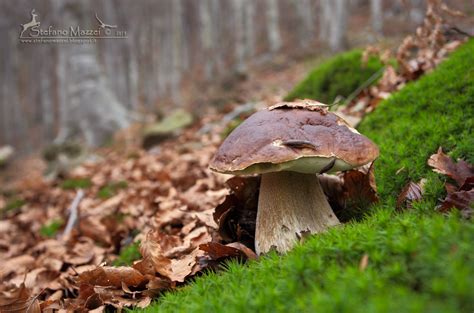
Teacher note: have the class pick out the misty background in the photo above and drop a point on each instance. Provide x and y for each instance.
(176, 53)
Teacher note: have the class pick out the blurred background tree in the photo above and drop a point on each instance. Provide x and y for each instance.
(175, 52)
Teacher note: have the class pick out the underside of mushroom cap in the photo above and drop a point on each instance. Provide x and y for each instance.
(298, 136)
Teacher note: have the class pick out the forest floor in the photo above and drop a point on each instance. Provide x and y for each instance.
(128, 225)
(416, 260)
(98, 211)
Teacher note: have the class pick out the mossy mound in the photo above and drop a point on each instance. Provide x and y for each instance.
(417, 261)
(339, 76)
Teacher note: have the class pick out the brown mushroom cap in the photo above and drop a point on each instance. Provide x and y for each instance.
(298, 136)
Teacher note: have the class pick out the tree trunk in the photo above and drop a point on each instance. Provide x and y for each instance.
(306, 23)
(324, 19)
(337, 36)
(88, 107)
(239, 42)
(376, 15)
(250, 25)
(178, 50)
(273, 29)
(208, 12)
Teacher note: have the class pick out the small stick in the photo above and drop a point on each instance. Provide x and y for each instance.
(364, 85)
(74, 214)
(460, 31)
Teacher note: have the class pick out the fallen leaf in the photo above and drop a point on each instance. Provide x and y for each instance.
(112, 276)
(18, 299)
(468, 184)
(185, 266)
(359, 188)
(217, 251)
(462, 200)
(410, 193)
(250, 254)
(443, 164)
(14, 264)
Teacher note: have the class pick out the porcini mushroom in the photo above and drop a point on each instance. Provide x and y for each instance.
(289, 144)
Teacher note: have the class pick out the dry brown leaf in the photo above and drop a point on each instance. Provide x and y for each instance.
(443, 164)
(251, 255)
(462, 200)
(156, 285)
(410, 193)
(359, 188)
(112, 276)
(219, 251)
(17, 265)
(462, 195)
(18, 300)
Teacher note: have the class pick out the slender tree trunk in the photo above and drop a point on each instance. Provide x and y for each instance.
(324, 19)
(416, 11)
(250, 28)
(306, 28)
(376, 15)
(207, 36)
(177, 51)
(337, 37)
(273, 29)
(239, 42)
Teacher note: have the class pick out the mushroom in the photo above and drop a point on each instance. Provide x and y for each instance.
(289, 144)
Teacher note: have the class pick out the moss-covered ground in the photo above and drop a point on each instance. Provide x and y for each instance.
(418, 261)
(340, 75)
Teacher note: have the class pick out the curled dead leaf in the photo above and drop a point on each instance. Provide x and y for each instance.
(359, 186)
(217, 251)
(18, 300)
(462, 200)
(250, 254)
(443, 164)
(410, 193)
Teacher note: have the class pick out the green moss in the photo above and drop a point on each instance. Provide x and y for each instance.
(51, 228)
(14, 205)
(416, 263)
(128, 254)
(419, 260)
(76, 183)
(437, 110)
(111, 189)
(70, 149)
(338, 76)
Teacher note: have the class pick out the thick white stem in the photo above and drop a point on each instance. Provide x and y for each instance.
(290, 205)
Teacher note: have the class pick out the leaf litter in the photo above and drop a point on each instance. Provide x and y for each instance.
(460, 195)
(185, 218)
(165, 205)
(417, 55)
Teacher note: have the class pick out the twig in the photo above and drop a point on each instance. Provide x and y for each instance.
(460, 31)
(73, 215)
(366, 84)
(32, 300)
